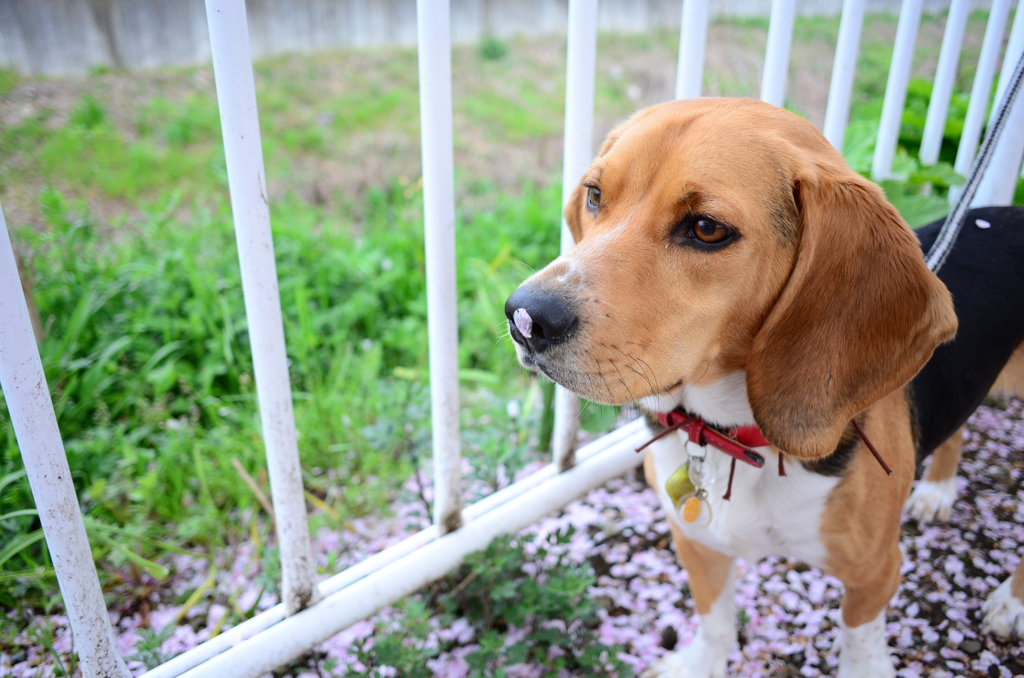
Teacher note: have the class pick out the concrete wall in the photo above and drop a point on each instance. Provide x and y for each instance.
(70, 36)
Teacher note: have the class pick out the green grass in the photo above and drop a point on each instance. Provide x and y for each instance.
(9, 79)
(149, 364)
(100, 158)
(383, 107)
(536, 114)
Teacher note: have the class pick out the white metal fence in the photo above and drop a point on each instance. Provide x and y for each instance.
(311, 612)
(62, 37)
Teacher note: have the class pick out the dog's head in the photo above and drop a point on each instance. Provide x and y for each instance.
(715, 236)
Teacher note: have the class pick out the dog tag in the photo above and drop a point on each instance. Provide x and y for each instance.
(697, 510)
(679, 485)
(692, 510)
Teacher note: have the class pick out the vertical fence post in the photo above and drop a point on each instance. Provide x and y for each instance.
(945, 77)
(1000, 180)
(433, 26)
(776, 58)
(983, 75)
(693, 34)
(1014, 46)
(840, 91)
(35, 426)
(236, 97)
(896, 89)
(581, 62)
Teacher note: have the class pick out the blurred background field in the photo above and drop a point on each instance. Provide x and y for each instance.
(114, 188)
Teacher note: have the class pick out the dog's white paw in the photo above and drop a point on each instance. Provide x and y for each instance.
(1004, 613)
(864, 652)
(932, 501)
(699, 659)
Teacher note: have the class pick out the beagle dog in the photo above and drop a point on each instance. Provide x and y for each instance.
(766, 305)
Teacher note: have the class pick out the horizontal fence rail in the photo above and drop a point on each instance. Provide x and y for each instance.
(403, 576)
(311, 612)
(621, 437)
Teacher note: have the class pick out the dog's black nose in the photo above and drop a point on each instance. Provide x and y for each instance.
(539, 319)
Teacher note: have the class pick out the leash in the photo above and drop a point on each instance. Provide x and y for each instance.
(955, 221)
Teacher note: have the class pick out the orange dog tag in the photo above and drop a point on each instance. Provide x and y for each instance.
(691, 509)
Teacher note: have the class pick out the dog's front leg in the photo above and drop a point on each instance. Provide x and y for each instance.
(713, 586)
(863, 645)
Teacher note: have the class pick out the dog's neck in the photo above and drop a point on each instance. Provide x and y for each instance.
(723, 403)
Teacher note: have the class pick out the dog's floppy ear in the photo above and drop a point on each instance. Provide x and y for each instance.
(574, 206)
(572, 213)
(859, 316)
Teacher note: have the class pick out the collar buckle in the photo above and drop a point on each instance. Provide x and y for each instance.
(703, 434)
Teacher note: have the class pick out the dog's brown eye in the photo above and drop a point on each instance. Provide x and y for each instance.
(710, 232)
(593, 198)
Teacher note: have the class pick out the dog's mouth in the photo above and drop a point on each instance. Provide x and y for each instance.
(538, 353)
(528, 356)
(563, 364)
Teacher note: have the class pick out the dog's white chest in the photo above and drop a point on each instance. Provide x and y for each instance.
(767, 514)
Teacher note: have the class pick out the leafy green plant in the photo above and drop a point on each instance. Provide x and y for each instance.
(502, 440)
(497, 590)
(915, 114)
(148, 651)
(919, 192)
(404, 649)
(88, 113)
(597, 418)
(492, 48)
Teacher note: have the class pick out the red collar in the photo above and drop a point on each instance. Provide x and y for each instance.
(739, 440)
(736, 442)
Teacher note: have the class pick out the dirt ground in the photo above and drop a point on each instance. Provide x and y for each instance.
(633, 72)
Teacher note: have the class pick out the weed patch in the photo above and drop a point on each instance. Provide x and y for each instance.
(148, 359)
(517, 614)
